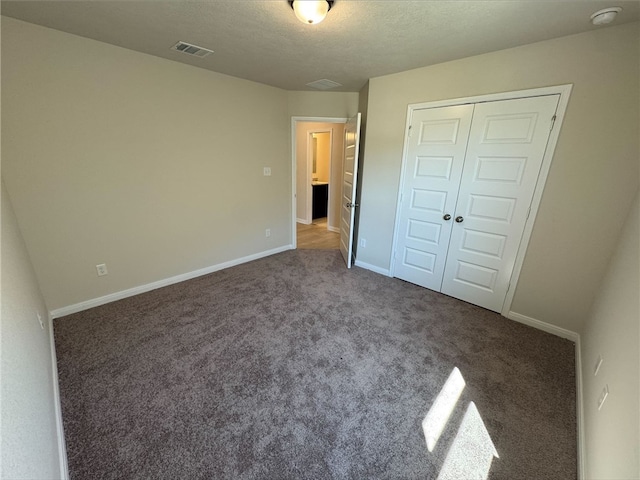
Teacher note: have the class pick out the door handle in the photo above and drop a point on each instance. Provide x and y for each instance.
(459, 219)
(447, 216)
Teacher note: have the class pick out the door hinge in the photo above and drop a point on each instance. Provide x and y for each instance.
(553, 122)
(528, 213)
(410, 127)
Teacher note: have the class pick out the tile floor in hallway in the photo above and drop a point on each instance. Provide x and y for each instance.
(316, 236)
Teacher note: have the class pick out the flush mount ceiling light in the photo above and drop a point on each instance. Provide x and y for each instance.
(606, 15)
(311, 11)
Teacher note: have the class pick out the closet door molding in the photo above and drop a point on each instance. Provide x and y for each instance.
(563, 91)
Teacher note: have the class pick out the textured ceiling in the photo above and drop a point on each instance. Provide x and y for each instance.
(261, 40)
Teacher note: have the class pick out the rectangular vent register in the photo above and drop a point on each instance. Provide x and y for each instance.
(192, 50)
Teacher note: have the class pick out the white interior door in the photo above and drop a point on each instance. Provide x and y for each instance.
(435, 155)
(507, 143)
(349, 180)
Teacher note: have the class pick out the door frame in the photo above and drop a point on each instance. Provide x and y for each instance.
(309, 191)
(294, 126)
(564, 91)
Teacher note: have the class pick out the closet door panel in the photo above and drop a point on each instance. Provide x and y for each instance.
(507, 143)
(431, 179)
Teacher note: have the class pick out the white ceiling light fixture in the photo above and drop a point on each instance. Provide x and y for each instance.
(311, 11)
(606, 15)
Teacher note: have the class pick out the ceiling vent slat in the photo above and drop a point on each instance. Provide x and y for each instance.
(190, 49)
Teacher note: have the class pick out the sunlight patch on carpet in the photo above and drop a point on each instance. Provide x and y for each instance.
(472, 450)
(439, 413)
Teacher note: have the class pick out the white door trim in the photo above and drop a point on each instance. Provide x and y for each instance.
(564, 91)
(294, 125)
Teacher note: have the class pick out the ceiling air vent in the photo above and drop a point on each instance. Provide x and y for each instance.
(324, 84)
(192, 50)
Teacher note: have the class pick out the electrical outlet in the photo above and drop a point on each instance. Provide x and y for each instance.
(603, 396)
(267, 232)
(40, 319)
(102, 269)
(598, 365)
(267, 171)
(363, 242)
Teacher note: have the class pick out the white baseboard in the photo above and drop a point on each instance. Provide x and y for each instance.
(580, 413)
(373, 268)
(333, 229)
(544, 326)
(112, 297)
(303, 221)
(62, 445)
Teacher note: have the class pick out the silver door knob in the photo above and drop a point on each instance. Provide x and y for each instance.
(459, 219)
(447, 216)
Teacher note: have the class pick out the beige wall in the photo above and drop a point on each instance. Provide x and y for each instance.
(29, 446)
(303, 176)
(150, 166)
(363, 107)
(322, 104)
(593, 176)
(613, 331)
(323, 157)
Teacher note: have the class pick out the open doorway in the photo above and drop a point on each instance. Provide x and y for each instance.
(318, 150)
(320, 156)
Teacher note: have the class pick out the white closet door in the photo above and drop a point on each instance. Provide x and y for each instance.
(507, 143)
(435, 156)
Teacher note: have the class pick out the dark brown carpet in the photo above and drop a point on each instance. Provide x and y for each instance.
(293, 367)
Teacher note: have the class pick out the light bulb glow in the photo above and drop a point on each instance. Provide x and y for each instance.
(310, 11)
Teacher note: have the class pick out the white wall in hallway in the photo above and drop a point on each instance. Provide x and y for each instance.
(303, 175)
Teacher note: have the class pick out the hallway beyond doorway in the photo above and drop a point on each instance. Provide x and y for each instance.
(316, 236)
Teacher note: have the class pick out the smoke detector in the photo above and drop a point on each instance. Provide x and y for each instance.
(606, 15)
